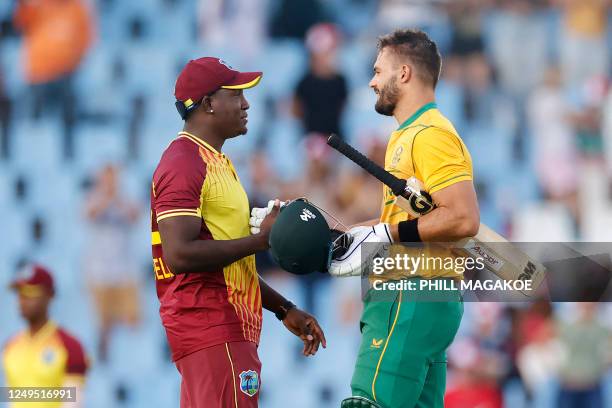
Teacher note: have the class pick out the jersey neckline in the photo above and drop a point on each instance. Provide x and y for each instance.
(200, 142)
(415, 115)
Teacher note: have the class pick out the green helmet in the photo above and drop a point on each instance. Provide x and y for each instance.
(300, 239)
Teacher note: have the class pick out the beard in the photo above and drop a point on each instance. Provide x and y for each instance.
(387, 98)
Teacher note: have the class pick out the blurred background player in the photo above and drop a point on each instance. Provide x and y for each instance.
(203, 252)
(44, 354)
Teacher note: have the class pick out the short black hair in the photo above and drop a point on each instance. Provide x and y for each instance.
(419, 48)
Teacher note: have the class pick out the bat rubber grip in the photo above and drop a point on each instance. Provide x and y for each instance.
(396, 185)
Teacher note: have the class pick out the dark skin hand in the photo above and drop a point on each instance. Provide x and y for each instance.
(306, 328)
(185, 253)
(296, 321)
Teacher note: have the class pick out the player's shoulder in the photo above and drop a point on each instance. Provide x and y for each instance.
(180, 149)
(181, 155)
(77, 359)
(69, 341)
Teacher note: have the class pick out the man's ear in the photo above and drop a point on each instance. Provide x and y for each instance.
(405, 73)
(207, 104)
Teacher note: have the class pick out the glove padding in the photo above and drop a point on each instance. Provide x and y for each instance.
(258, 214)
(354, 260)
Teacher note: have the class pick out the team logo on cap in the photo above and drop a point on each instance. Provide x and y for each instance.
(307, 215)
(228, 66)
(249, 382)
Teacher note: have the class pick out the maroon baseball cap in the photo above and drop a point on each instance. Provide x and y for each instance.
(32, 280)
(203, 76)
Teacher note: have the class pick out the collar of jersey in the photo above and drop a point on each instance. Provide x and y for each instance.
(200, 142)
(43, 332)
(415, 115)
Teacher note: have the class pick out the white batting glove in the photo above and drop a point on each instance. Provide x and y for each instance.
(358, 256)
(258, 214)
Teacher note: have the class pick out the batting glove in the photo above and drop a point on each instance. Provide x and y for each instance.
(353, 262)
(258, 214)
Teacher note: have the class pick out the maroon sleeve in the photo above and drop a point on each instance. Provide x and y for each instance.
(178, 181)
(77, 362)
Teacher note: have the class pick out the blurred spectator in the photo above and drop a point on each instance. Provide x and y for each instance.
(466, 19)
(606, 130)
(554, 144)
(358, 193)
(57, 34)
(219, 20)
(518, 46)
(586, 118)
(485, 105)
(321, 94)
(539, 359)
(537, 351)
(587, 344)
(44, 354)
(110, 267)
(293, 18)
(473, 382)
(584, 49)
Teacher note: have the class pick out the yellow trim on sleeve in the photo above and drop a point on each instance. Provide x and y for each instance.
(244, 86)
(176, 214)
(229, 357)
(155, 238)
(399, 305)
(193, 210)
(448, 182)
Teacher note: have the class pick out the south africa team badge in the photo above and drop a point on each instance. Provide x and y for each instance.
(249, 382)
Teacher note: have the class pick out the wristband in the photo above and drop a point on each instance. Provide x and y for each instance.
(283, 310)
(408, 231)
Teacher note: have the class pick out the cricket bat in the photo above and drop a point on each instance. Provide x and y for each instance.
(499, 256)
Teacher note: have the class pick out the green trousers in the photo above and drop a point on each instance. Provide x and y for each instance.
(402, 357)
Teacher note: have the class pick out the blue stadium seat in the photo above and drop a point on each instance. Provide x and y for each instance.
(355, 61)
(97, 145)
(13, 77)
(96, 88)
(284, 144)
(37, 145)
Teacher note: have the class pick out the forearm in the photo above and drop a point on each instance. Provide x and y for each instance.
(270, 299)
(442, 225)
(211, 255)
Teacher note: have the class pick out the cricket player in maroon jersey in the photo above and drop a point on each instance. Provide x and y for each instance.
(210, 294)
